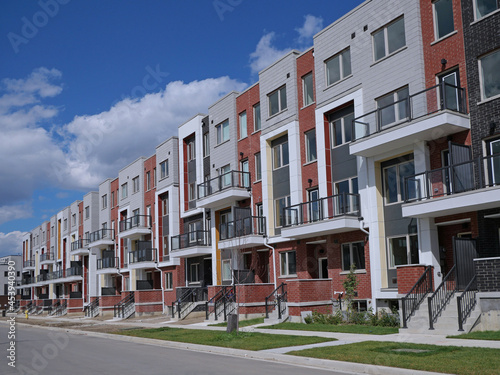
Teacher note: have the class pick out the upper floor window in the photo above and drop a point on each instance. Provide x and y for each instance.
(154, 177)
(104, 202)
(280, 155)
(256, 117)
(393, 107)
(389, 39)
(206, 144)
(135, 184)
(338, 67)
(308, 89)
(341, 126)
(148, 180)
(65, 224)
(279, 206)
(112, 199)
(191, 151)
(73, 220)
(310, 138)
(223, 132)
(443, 17)
(164, 169)
(485, 7)
(394, 181)
(277, 101)
(258, 167)
(243, 124)
(52, 231)
(164, 206)
(125, 190)
(192, 191)
(490, 75)
(87, 212)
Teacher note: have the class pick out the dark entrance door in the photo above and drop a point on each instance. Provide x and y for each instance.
(464, 253)
(462, 172)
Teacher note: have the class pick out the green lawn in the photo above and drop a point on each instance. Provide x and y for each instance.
(448, 359)
(242, 323)
(484, 335)
(347, 328)
(241, 340)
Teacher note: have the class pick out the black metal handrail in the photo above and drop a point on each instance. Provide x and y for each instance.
(92, 308)
(137, 221)
(278, 298)
(423, 103)
(255, 225)
(442, 295)
(474, 174)
(62, 309)
(46, 256)
(121, 307)
(82, 243)
(222, 302)
(142, 255)
(231, 179)
(413, 299)
(102, 234)
(108, 262)
(344, 204)
(466, 302)
(193, 295)
(191, 239)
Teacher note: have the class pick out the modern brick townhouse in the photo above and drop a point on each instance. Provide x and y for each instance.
(379, 146)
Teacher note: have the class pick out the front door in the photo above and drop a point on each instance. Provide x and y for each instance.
(450, 95)
(464, 253)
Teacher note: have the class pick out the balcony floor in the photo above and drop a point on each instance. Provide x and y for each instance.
(321, 228)
(223, 198)
(191, 252)
(242, 242)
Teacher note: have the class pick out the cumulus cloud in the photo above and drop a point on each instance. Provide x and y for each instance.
(11, 243)
(311, 26)
(14, 212)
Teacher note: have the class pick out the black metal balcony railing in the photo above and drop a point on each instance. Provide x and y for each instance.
(102, 234)
(244, 227)
(232, 179)
(144, 284)
(191, 239)
(29, 263)
(46, 256)
(73, 271)
(142, 255)
(111, 262)
(28, 280)
(108, 291)
(322, 209)
(431, 100)
(458, 178)
(137, 221)
(82, 243)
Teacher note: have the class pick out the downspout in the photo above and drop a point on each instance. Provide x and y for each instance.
(361, 224)
(274, 260)
(161, 273)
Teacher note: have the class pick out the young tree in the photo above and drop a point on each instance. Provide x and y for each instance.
(350, 285)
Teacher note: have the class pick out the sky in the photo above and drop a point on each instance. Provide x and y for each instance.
(86, 87)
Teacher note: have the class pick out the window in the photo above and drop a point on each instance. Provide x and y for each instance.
(393, 107)
(87, 212)
(308, 89)
(341, 126)
(164, 169)
(259, 212)
(389, 39)
(280, 155)
(226, 270)
(223, 132)
(135, 184)
(192, 232)
(73, 220)
(148, 212)
(105, 225)
(65, 224)
(288, 263)
(124, 191)
(165, 247)
(394, 179)
(52, 231)
(277, 101)
(494, 149)
(136, 212)
(164, 205)
(245, 176)
(194, 269)
(191, 151)
(346, 202)
(450, 95)
(338, 67)
(490, 75)
(112, 199)
(148, 180)
(314, 205)
(169, 282)
(403, 250)
(258, 167)
(279, 205)
(485, 7)
(192, 191)
(225, 175)
(256, 117)
(154, 177)
(310, 146)
(353, 253)
(104, 202)
(243, 124)
(206, 144)
(443, 17)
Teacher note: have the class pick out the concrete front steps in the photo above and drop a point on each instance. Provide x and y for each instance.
(447, 322)
(273, 317)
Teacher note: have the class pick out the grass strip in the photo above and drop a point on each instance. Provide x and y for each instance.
(447, 359)
(235, 340)
(480, 335)
(344, 328)
(242, 323)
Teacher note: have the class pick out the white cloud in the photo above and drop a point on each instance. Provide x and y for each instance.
(265, 53)
(14, 212)
(11, 243)
(311, 26)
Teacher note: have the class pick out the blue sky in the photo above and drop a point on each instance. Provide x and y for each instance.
(88, 86)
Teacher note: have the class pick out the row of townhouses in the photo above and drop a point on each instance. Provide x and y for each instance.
(379, 146)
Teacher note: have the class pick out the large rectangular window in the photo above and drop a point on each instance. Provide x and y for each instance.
(394, 179)
(288, 263)
(338, 67)
(353, 253)
(87, 214)
(148, 181)
(485, 7)
(489, 68)
(206, 144)
(226, 270)
(341, 126)
(104, 202)
(310, 139)
(191, 150)
(403, 250)
(277, 101)
(169, 282)
(225, 173)
(243, 124)
(393, 107)
(280, 155)
(135, 184)
(308, 89)
(443, 17)
(279, 205)
(223, 132)
(256, 117)
(258, 167)
(389, 39)
(164, 169)
(194, 272)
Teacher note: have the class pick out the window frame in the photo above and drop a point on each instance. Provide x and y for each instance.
(190, 151)
(124, 187)
(148, 180)
(282, 163)
(243, 125)
(285, 266)
(395, 106)
(221, 131)
(226, 262)
(476, 13)
(279, 92)
(342, 72)
(481, 76)
(87, 213)
(196, 266)
(192, 191)
(135, 185)
(307, 141)
(407, 237)
(400, 194)
(351, 257)
(305, 86)
(164, 170)
(277, 214)
(206, 145)
(436, 20)
(257, 119)
(104, 201)
(169, 281)
(384, 29)
(258, 166)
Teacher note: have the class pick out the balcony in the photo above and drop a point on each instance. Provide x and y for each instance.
(28, 265)
(47, 258)
(243, 233)
(224, 189)
(144, 285)
(101, 238)
(433, 113)
(135, 226)
(108, 291)
(330, 215)
(142, 258)
(80, 247)
(28, 280)
(191, 244)
(109, 264)
(464, 187)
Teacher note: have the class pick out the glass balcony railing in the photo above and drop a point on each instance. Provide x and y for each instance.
(252, 225)
(102, 234)
(111, 262)
(142, 255)
(46, 256)
(79, 244)
(191, 239)
(137, 221)
(232, 179)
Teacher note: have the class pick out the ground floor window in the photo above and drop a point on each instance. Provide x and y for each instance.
(403, 250)
(226, 270)
(194, 269)
(169, 282)
(288, 263)
(353, 253)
